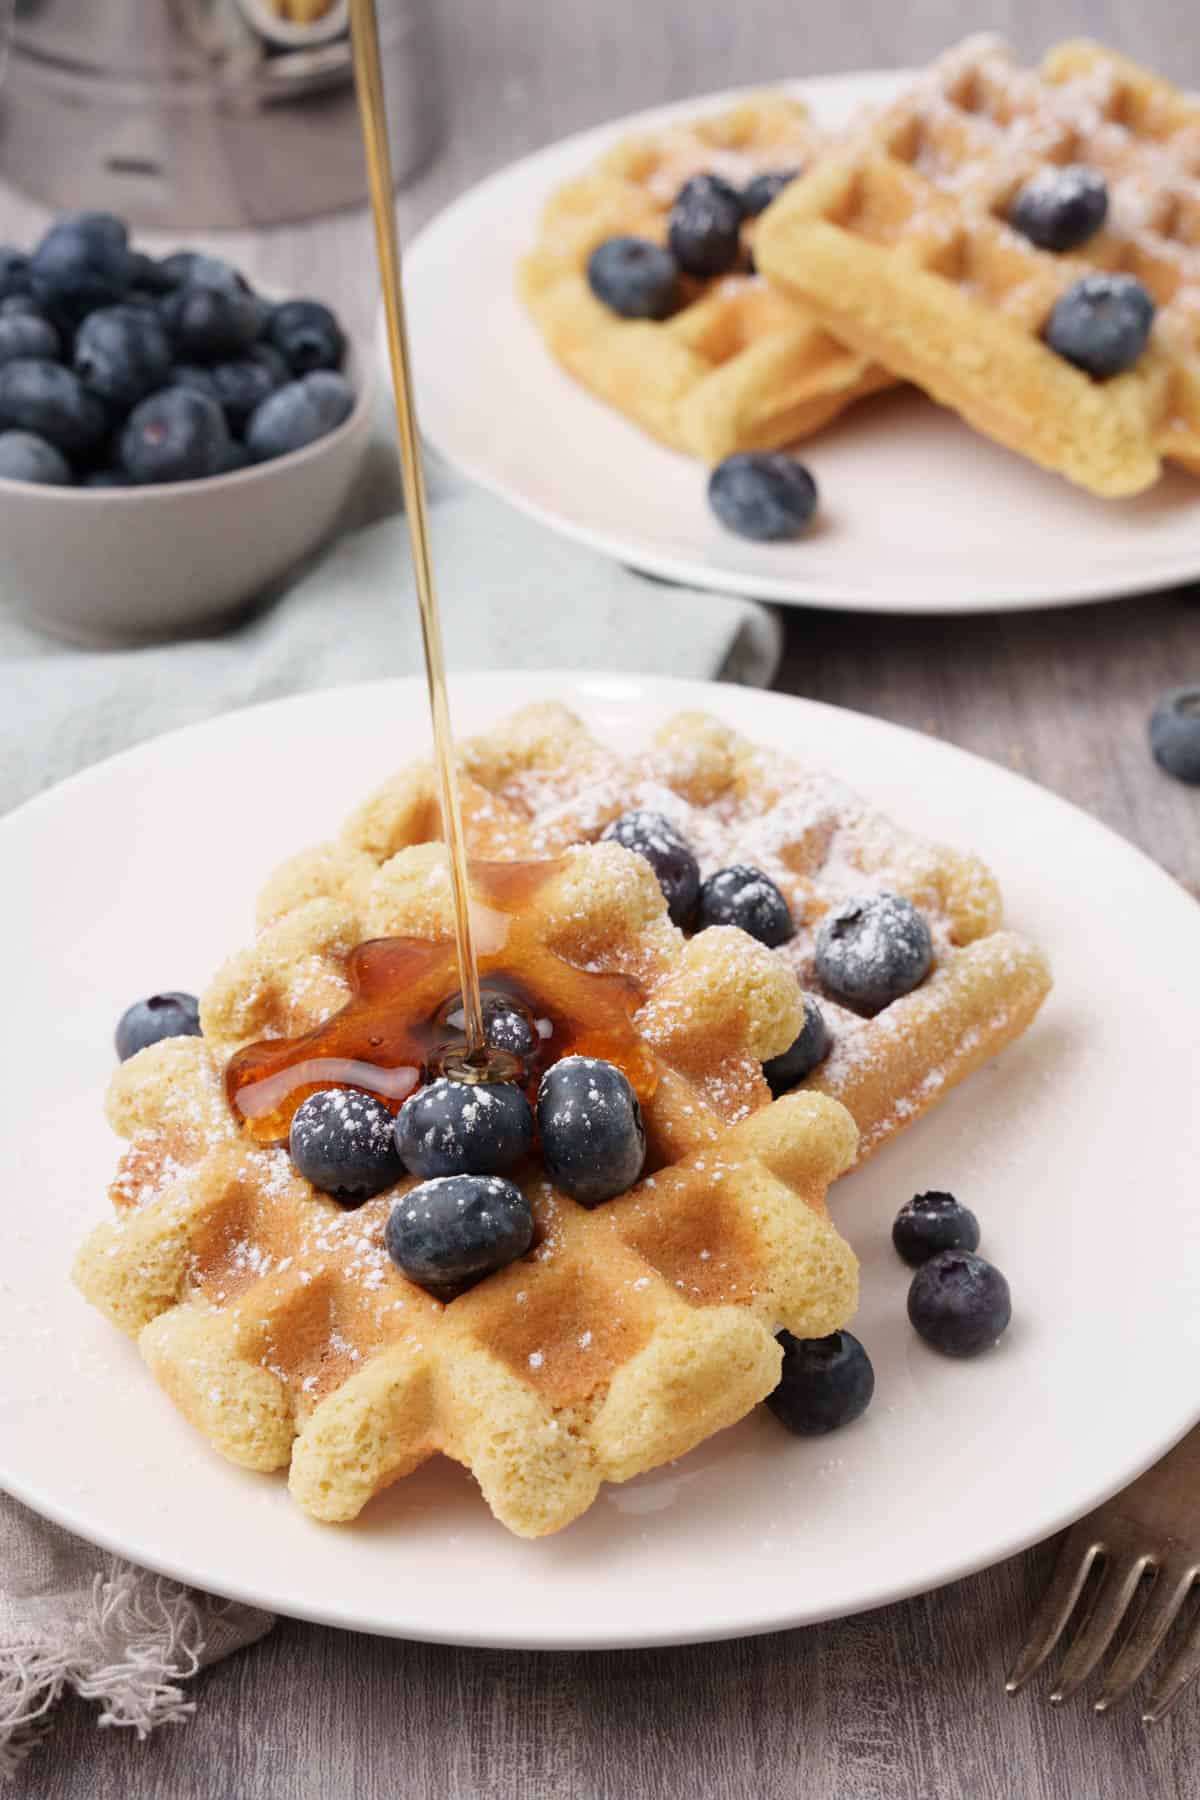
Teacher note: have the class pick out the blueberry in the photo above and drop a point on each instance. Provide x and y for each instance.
(758, 193)
(1060, 208)
(242, 386)
(26, 334)
(1101, 324)
(342, 1141)
(635, 278)
(174, 435)
(52, 402)
(801, 1057)
(653, 836)
(160, 1016)
(192, 268)
(464, 1128)
(449, 1233)
(175, 270)
(591, 1128)
(21, 305)
(148, 276)
(14, 271)
(25, 457)
(932, 1222)
(200, 380)
(741, 895)
(704, 230)
(959, 1302)
(107, 477)
(507, 1025)
(825, 1382)
(763, 494)
(211, 321)
(1175, 733)
(122, 353)
(871, 950)
(298, 414)
(82, 262)
(236, 457)
(307, 335)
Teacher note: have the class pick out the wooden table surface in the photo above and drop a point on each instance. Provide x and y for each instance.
(901, 1704)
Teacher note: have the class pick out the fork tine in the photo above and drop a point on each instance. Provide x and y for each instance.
(1117, 1589)
(1079, 1551)
(1183, 1668)
(1170, 1590)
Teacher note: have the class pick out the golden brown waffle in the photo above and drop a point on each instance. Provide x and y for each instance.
(279, 1325)
(898, 242)
(739, 367)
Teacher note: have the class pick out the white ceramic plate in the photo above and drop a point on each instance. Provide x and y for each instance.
(919, 513)
(1078, 1149)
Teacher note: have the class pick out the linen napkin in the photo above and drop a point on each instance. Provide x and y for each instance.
(513, 596)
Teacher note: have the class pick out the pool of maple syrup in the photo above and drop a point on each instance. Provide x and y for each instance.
(387, 1040)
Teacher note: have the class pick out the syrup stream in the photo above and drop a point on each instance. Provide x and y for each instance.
(364, 37)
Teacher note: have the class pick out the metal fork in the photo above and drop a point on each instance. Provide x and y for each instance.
(1150, 1529)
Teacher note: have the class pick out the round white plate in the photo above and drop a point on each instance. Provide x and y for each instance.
(919, 513)
(1078, 1149)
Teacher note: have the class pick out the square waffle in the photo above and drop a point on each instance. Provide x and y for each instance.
(739, 366)
(279, 1325)
(898, 242)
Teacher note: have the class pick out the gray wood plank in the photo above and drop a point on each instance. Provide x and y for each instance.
(900, 1704)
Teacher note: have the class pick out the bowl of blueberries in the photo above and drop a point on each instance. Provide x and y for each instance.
(172, 442)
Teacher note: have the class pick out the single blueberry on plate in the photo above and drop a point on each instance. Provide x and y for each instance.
(590, 1124)
(1060, 208)
(24, 457)
(243, 385)
(871, 950)
(764, 495)
(82, 262)
(174, 435)
(159, 1016)
(803, 1055)
(342, 1141)
(122, 353)
(1101, 324)
(1175, 733)
(931, 1222)
(448, 1233)
(705, 225)
(759, 192)
(825, 1383)
(207, 321)
(744, 896)
(27, 334)
(464, 1128)
(635, 278)
(651, 835)
(959, 1303)
(298, 414)
(52, 402)
(307, 335)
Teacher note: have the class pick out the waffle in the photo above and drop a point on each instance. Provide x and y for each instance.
(898, 242)
(277, 1322)
(739, 367)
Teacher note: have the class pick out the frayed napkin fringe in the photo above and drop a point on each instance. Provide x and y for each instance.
(140, 1636)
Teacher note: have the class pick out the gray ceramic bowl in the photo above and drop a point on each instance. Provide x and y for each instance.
(105, 565)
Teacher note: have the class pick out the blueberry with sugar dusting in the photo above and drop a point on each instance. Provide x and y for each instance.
(705, 226)
(158, 1016)
(634, 278)
(872, 950)
(825, 1383)
(448, 1233)
(1101, 324)
(507, 1025)
(1060, 208)
(803, 1055)
(759, 192)
(1175, 733)
(590, 1123)
(342, 1141)
(652, 835)
(764, 495)
(959, 1303)
(744, 896)
(461, 1127)
(931, 1222)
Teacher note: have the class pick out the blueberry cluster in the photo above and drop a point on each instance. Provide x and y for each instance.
(117, 369)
